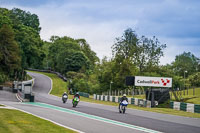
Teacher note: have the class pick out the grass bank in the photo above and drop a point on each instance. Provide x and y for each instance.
(189, 96)
(59, 86)
(14, 121)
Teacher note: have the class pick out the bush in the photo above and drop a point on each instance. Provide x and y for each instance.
(195, 79)
(3, 78)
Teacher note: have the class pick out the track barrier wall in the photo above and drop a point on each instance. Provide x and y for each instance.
(116, 99)
(188, 107)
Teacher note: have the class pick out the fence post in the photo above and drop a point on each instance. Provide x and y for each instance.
(193, 91)
(133, 91)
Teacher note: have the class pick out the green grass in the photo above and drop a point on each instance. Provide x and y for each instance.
(140, 96)
(190, 98)
(1, 105)
(28, 77)
(14, 121)
(59, 86)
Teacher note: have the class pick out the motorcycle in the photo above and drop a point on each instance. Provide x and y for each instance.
(123, 105)
(75, 101)
(64, 98)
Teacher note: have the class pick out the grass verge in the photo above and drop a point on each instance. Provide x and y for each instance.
(59, 87)
(14, 121)
(189, 96)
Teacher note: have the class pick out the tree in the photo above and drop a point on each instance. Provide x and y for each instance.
(25, 18)
(126, 46)
(91, 55)
(76, 62)
(30, 45)
(26, 29)
(4, 17)
(195, 79)
(60, 49)
(78, 81)
(9, 50)
(150, 53)
(185, 62)
(144, 53)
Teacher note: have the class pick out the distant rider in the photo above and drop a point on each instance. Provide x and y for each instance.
(65, 93)
(122, 99)
(64, 97)
(77, 95)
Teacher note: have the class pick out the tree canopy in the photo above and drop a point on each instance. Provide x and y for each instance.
(9, 50)
(21, 47)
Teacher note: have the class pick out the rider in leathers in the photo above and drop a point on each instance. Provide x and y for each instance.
(122, 99)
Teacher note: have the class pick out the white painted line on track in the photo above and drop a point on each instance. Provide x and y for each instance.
(45, 119)
(6, 107)
(18, 97)
(101, 118)
(98, 118)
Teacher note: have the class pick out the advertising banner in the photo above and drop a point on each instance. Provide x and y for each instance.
(153, 81)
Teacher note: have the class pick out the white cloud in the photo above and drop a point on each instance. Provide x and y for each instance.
(101, 22)
(178, 46)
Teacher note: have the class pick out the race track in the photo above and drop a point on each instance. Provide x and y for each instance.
(90, 117)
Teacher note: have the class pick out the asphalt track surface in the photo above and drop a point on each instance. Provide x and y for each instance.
(143, 119)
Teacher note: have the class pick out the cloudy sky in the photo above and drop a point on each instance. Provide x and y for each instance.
(174, 22)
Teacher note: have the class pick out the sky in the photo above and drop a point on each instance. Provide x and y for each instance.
(175, 23)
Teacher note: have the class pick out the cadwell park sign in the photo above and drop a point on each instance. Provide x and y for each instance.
(153, 81)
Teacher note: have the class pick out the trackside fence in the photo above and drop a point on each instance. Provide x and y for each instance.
(116, 99)
(188, 107)
(83, 94)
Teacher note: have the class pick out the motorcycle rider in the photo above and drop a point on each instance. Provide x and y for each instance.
(76, 95)
(65, 93)
(122, 99)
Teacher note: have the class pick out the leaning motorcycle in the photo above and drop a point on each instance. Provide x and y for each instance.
(123, 105)
(75, 101)
(64, 98)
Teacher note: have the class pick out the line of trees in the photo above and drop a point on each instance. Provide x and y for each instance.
(21, 47)
(20, 43)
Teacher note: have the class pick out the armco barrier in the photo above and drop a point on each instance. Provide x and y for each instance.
(197, 108)
(116, 99)
(83, 94)
(171, 104)
(49, 71)
(119, 99)
(113, 99)
(176, 105)
(134, 101)
(194, 108)
(183, 106)
(190, 107)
